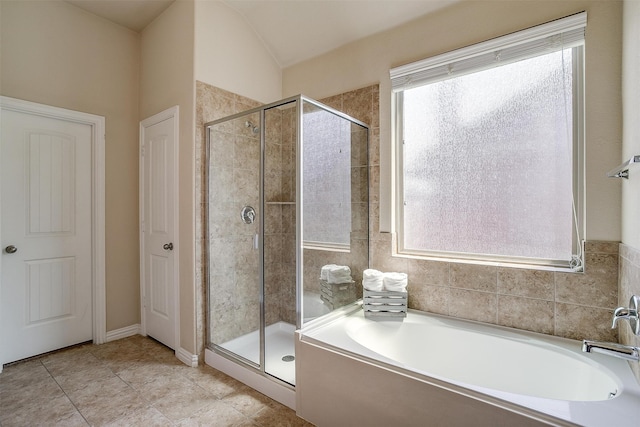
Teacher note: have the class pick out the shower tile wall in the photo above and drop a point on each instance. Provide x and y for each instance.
(629, 285)
(238, 159)
(235, 158)
(280, 230)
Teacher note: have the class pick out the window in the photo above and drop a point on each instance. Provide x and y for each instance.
(490, 158)
(327, 179)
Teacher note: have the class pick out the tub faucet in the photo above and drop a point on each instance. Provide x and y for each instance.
(612, 349)
(630, 314)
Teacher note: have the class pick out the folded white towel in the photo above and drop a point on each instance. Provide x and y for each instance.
(372, 280)
(339, 274)
(395, 282)
(324, 271)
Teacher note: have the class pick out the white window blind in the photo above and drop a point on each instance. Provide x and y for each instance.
(552, 36)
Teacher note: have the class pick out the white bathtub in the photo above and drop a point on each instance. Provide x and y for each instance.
(435, 370)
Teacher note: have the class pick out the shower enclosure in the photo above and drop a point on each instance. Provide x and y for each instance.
(287, 193)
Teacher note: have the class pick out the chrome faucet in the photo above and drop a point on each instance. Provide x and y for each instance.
(629, 314)
(612, 349)
(627, 352)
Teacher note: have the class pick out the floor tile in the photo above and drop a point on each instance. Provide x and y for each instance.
(216, 414)
(134, 381)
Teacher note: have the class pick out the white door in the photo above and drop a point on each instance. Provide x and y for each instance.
(46, 237)
(159, 215)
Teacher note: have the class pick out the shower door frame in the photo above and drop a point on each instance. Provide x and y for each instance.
(259, 369)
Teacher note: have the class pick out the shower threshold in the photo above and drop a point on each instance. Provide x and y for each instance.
(279, 350)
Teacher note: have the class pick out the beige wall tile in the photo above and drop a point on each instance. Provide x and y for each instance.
(597, 287)
(526, 283)
(526, 313)
(434, 299)
(629, 285)
(599, 246)
(473, 305)
(580, 322)
(426, 272)
(374, 147)
(358, 104)
(476, 277)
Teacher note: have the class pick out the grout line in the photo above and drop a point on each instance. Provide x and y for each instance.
(65, 393)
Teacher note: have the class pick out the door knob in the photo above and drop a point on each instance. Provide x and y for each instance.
(168, 246)
(11, 249)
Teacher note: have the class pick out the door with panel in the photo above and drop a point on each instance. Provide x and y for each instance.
(46, 234)
(159, 248)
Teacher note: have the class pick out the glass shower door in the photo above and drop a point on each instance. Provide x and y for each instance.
(259, 252)
(280, 240)
(234, 216)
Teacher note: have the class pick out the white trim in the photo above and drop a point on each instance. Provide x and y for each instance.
(174, 114)
(187, 358)
(266, 386)
(127, 331)
(97, 124)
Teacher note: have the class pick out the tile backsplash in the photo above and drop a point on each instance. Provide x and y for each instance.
(629, 285)
(570, 305)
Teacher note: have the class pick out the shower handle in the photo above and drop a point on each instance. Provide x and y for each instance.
(248, 214)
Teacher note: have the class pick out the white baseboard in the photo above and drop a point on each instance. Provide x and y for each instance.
(187, 358)
(127, 331)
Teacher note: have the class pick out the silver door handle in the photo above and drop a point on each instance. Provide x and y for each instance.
(168, 246)
(11, 249)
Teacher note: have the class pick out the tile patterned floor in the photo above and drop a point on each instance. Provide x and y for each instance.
(130, 382)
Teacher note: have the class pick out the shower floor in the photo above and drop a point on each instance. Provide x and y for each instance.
(279, 342)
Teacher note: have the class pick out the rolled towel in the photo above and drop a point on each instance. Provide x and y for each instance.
(395, 282)
(339, 274)
(324, 271)
(372, 280)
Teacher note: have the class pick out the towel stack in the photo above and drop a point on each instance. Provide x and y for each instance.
(374, 280)
(335, 274)
(395, 282)
(337, 287)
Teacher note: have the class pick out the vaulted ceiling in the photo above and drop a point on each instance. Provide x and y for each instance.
(292, 30)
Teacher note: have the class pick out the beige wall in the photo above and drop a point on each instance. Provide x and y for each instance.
(631, 122)
(369, 60)
(167, 79)
(56, 54)
(230, 55)
(630, 247)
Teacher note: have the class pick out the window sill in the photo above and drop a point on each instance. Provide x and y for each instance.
(487, 262)
(316, 246)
